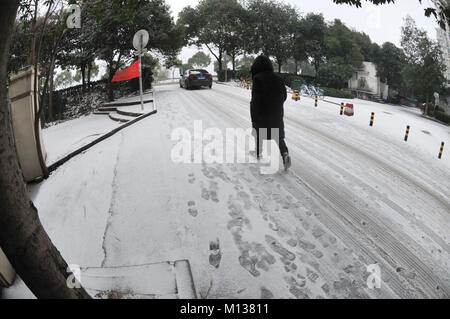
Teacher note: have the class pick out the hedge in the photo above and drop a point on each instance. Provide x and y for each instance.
(439, 109)
(289, 78)
(444, 117)
(221, 75)
(337, 93)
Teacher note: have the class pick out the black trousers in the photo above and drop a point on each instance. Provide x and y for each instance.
(267, 134)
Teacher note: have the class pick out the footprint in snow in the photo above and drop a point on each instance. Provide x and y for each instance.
(211, 193)
(266, 293)
(216, 256)
(191, 209)
(279, 249)
(249, 264)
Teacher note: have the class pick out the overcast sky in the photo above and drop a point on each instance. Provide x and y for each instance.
(381, 23)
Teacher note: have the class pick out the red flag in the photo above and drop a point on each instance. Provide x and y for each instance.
(129, 73)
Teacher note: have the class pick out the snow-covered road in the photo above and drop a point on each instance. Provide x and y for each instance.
(355, 196)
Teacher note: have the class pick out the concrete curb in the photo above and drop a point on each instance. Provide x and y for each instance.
(107, 105)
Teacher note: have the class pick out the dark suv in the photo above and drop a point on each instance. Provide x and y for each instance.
(196, 78)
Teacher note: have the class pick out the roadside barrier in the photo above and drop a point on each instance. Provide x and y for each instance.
(349, 110)
(408, 128)
(442, 150)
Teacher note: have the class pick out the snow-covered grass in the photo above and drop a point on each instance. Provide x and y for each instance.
(64, 138)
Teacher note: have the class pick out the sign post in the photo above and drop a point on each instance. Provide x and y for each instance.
(140, 41)
(140, 72)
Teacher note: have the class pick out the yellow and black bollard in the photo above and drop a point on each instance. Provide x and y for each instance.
(442, 150)
(316, 100)
(248, 85)
(342, 108)
(296, 96)
(372, 118)
(408, 128)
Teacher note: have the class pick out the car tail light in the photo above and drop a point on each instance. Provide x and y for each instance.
(191, 77)
(210, 76)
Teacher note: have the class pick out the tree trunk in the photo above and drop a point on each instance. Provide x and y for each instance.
(233, 62)
(316, 69)
(32, 55)
(50, 94)
(89, 68)
(83, 76)
(22, 236)
(296, 67)
(109, 85)
(219, 60)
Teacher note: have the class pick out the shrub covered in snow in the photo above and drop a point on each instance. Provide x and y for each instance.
(338, 93)
(442, 116)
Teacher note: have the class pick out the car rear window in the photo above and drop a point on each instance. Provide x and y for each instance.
(198, 72)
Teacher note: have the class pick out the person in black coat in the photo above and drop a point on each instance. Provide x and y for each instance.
(266, 106)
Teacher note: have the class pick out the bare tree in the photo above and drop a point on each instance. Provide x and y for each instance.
(22, 236)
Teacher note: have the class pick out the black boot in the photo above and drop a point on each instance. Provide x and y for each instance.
(286, 161)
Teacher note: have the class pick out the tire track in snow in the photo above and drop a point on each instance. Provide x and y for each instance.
(379, 236)
(353, 216)
(375, 193)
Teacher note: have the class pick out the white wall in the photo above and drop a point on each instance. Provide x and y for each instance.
(372, 82)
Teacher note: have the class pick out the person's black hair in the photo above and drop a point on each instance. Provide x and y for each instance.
(261, 64)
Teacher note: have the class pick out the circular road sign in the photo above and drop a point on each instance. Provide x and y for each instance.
(136, 39)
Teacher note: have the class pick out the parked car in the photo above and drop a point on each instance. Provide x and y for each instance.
(196, 78)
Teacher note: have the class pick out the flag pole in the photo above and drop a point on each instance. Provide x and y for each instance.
(140, 70)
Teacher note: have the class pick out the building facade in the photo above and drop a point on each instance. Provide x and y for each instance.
(366, 84)
(443, 38)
